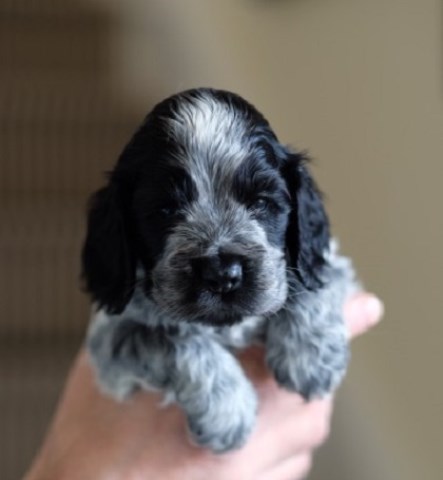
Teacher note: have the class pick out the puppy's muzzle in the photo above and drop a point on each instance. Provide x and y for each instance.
(221, 273)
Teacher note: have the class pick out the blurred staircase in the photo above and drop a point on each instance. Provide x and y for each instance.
(60, 129)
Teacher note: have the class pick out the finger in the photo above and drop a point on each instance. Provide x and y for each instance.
(294, 468)
(362, 312)
(293, 433)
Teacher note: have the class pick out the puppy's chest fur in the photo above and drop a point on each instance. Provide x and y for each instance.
(249, 332)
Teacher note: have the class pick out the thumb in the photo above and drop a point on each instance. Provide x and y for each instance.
(362, 311)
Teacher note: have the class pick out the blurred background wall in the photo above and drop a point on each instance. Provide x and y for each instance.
(357, 82)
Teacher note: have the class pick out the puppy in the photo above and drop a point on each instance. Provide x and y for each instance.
(209, 236)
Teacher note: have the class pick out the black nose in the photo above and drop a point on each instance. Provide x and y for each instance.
(221, 273)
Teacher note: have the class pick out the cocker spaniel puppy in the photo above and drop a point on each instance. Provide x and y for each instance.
(209, 236)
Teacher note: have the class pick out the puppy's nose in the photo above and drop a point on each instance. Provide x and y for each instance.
(221, 273)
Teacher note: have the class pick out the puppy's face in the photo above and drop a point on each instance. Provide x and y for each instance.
(204, 208)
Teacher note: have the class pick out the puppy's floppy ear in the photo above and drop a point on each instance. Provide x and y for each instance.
(108, 261)
(307, 236)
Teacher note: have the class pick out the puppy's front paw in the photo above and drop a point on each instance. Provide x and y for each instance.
(227, 421)
(312, 370)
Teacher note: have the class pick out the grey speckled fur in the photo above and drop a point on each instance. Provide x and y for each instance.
(306, 342)
(306, 348)
(176, 336)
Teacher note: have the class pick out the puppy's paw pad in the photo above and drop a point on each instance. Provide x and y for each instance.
(311, 374)
(224, 430)
(316, 385)
(220, 440)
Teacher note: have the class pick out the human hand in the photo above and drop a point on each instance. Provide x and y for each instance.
(93, 437)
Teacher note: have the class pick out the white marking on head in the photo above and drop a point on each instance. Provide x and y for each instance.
(214, 138)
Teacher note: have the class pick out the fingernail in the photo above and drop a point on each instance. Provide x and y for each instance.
(374, 309)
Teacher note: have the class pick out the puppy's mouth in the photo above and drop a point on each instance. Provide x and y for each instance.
(218, 291)
(221, 307)
(211, 307)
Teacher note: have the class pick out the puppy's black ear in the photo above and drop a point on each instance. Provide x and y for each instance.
(307, 236)
(108, 260)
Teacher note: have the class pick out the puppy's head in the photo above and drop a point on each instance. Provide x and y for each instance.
(211, 211)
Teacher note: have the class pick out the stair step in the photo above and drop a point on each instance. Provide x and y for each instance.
(59, 140)
(40, 276)
(42, 36)
(66, 159)
(51, 8)
(56, 100)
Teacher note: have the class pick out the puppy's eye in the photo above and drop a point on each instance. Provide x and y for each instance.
(163, 213)
(168, 211)
(260, 204)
